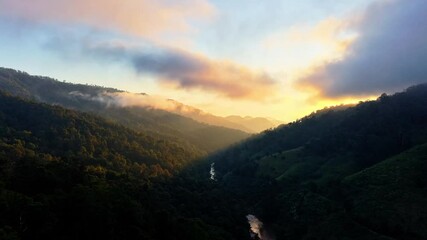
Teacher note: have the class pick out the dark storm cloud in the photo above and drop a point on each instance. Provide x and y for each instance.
(390, 53)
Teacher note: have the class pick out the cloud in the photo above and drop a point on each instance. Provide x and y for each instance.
(177, 68)
(389, 54)
(305, 45)
(148, 18)
(126, 99)
(89, 37)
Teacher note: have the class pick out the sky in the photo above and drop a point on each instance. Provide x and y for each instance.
(281, 59)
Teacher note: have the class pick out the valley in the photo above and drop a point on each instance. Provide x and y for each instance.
(213, 120)
(73, 167)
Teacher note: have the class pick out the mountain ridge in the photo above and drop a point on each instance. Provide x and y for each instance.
(175, 106)
(345, 172)
(105, 103)
(296, 178)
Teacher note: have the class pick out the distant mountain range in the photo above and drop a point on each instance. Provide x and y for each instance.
(246, 124)
(255, 124)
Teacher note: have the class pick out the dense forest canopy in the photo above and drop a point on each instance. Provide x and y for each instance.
(296, 175)
(70, 175)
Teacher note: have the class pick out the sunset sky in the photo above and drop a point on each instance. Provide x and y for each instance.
(279, 59)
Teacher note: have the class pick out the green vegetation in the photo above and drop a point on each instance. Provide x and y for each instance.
(69, 175)
(276, 165)
(391, 196)
(339, 173)
(350, 172)
(92, 99)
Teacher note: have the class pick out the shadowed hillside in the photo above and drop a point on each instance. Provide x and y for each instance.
(313, 178)
(346, 172)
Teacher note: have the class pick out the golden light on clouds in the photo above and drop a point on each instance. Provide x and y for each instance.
(223, 78)
(319, 103)
(302, 47)
(174, 67)
(298, 52)
(150, 19)
(221, 60)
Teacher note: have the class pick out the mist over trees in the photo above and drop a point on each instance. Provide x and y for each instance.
(99, 101)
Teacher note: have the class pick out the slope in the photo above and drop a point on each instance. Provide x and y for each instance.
(390, 196)
(246, 124)
(293, 176)
(95, 99)
(69, 175)
(362, 135)
(255, 124)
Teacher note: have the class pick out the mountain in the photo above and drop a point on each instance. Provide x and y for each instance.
(108, 103)
(71, 175)
(85, 162)
(246, 124)
(255, 124)
(390, 197)
(204, 117)
(340, 173)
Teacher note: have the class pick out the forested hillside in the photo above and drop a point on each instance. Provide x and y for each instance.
(299, 178)
(95, 99)
(213, 120)
(69, 175)
(347, 172)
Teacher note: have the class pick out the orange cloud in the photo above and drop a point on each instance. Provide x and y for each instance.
(174, 67)
(148, 18)
(186, 70)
